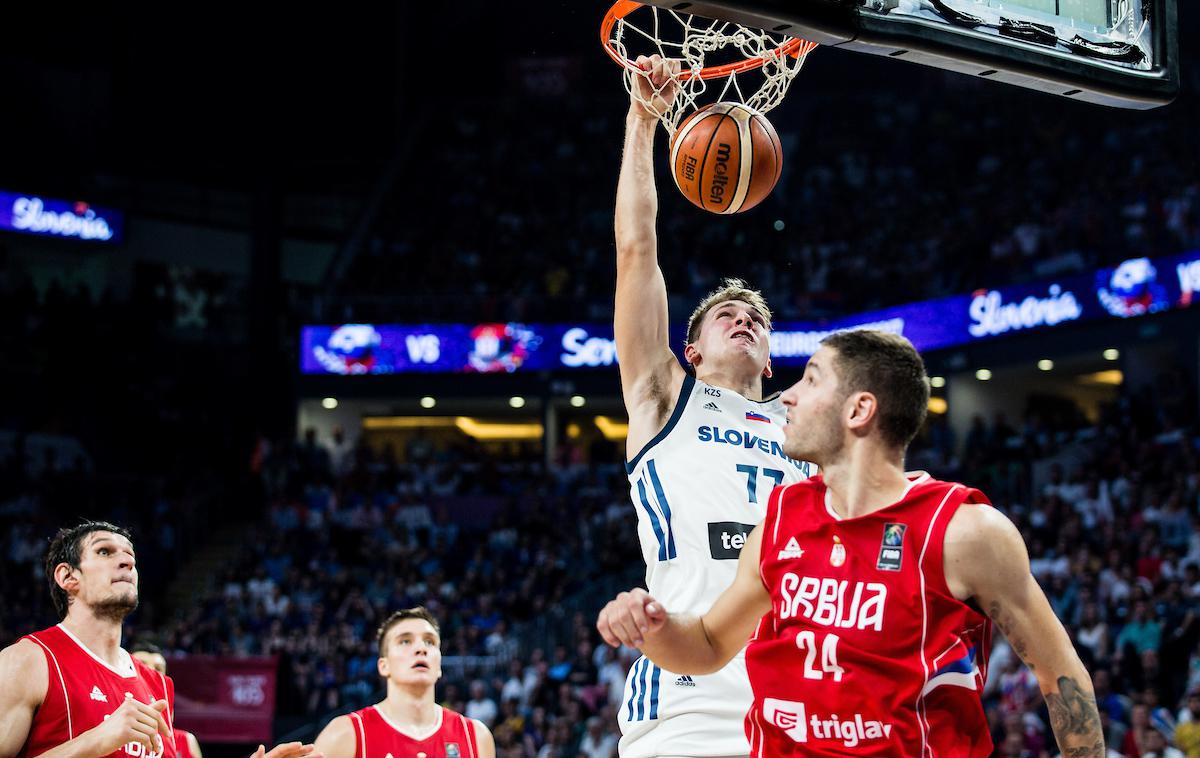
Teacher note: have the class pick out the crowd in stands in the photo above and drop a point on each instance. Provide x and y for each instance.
(914, 193)
(495, 543)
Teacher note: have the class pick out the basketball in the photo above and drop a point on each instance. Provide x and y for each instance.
(726, 158)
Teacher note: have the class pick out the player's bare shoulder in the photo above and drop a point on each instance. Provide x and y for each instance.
(982, 545)
(483, 739)
(24, 670)
(336, 740)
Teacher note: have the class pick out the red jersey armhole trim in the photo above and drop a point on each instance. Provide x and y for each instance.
(934, 565)
(51, 658)
(773, 509)
(472, 735)
(360, 736)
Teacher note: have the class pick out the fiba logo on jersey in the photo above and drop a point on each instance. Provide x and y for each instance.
(891, 552)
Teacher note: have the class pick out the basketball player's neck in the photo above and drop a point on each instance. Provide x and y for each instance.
(411, 707)
(102, 636)
(749, 386)
(863, 478)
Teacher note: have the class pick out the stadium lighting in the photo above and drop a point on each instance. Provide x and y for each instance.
(938, 405)
(1046, 364)
(1112, 354)
(329, 403)
(937, 382)
(612, 429)
(517, 402)
(983, 374)
(428, 402)
(577, 401)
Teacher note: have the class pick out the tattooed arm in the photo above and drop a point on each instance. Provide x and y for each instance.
(986, 561)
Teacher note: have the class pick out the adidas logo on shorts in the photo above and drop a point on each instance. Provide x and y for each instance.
(711, 406)
(685, 681)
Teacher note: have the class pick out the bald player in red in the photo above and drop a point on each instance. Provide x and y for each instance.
(408, 721)
(185, 742)
(71, 691)
(868, 594)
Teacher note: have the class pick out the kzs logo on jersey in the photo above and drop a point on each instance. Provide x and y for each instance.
(891, 552)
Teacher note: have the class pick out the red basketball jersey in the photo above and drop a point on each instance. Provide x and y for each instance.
(376, 737)
(182, 747)
(865, 650)
(83, 691)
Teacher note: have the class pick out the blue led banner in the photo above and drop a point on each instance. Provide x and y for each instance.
(1137, 287)
(30, 214)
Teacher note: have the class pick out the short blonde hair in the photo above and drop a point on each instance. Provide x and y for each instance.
(730, 289)
(416, 612)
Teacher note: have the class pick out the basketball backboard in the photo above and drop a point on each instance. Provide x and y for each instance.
(1121, 53)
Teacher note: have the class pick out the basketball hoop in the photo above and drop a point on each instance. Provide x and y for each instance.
(708, 50)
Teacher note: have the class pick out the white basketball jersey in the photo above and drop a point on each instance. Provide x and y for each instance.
(699, 487)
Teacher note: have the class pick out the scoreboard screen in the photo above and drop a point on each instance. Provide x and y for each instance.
(1095, 13)
(1112, 32)
(1119, 53)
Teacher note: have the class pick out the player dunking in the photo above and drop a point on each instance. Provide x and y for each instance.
(703, 452)
(186, 744)
(877, 587)
(408, 722)
(71, 691)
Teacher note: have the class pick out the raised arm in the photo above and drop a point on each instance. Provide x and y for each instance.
(986, 560)
(686, 644)
(650, 374)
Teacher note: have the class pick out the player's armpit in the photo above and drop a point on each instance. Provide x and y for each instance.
(986, 560)
(336, 740)
(23, 670)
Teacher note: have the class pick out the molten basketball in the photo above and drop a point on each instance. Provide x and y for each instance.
(726, 158)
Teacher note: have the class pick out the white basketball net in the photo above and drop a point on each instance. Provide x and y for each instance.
(701, 38)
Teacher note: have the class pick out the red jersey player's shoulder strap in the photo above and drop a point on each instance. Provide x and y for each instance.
(168, 690)
(56, 684)
(952, 496)
(786, 495)
(791, 495)
(468, 729)
(360, 734)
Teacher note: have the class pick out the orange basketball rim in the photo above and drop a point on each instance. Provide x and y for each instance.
(793, 47)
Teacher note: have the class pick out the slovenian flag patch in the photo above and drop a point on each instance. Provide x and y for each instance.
(751, 416)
